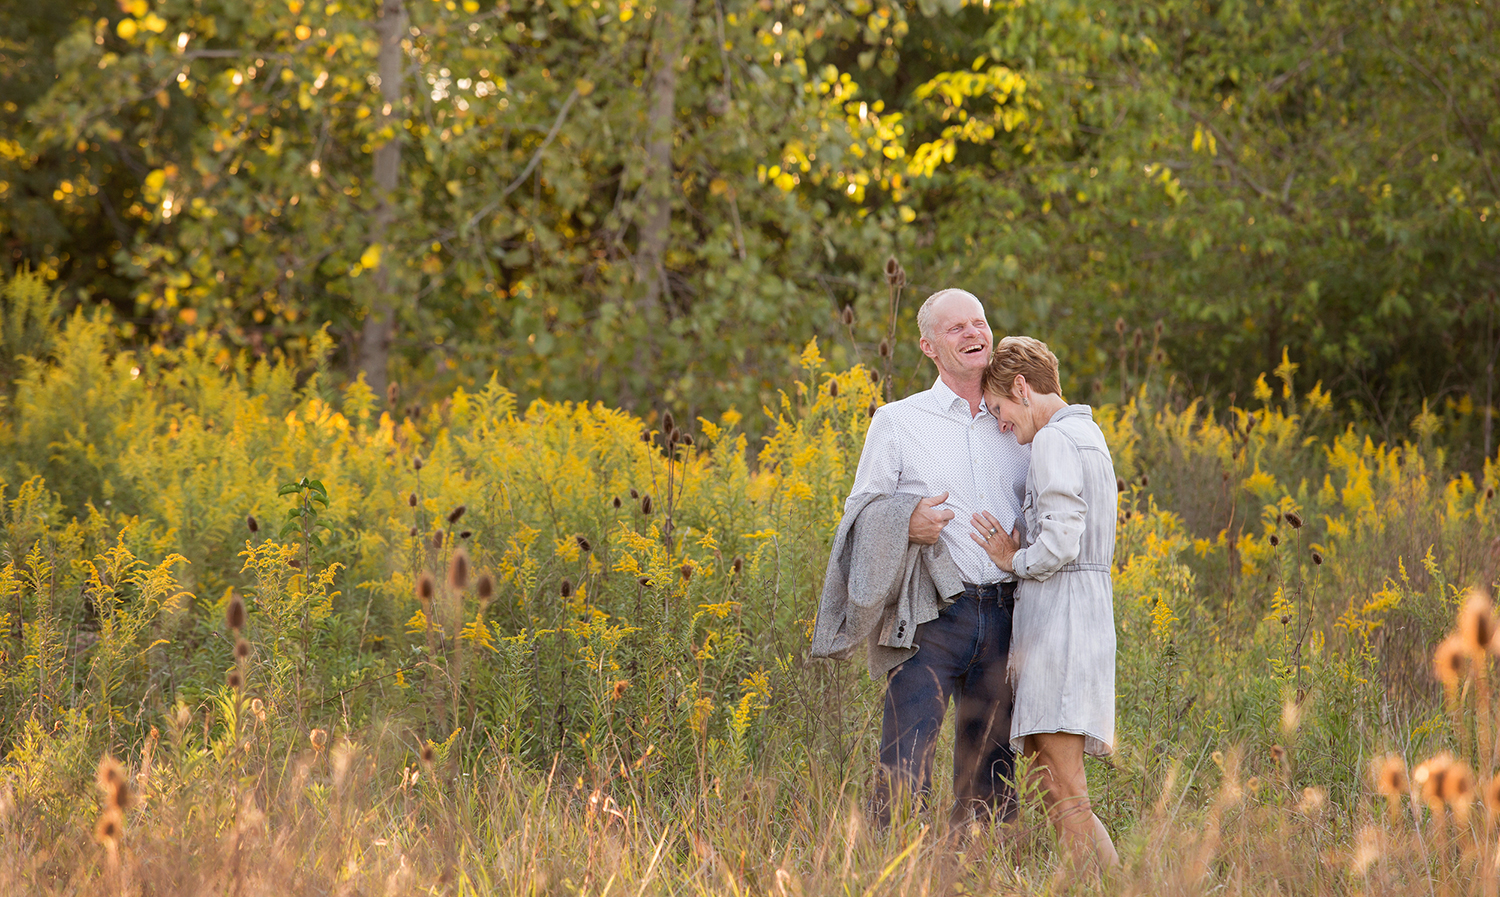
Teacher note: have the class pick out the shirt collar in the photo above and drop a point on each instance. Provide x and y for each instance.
(947, 400)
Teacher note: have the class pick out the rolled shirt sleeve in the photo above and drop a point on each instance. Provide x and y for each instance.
(1059, 507)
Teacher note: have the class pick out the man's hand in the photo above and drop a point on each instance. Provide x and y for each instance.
(928, 520)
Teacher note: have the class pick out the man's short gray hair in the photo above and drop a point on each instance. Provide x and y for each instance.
(925, 313)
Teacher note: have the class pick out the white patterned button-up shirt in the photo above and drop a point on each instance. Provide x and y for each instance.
(928, 444)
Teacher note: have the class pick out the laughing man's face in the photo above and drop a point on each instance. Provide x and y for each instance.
(960, 339)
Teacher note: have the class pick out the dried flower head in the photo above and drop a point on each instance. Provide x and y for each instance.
(437, 538)
(686, 570)
(294, 564)
(1139, 338)
(428, 754)
(425, 589)
(110, 774)
(258, 709)
(668, 423)
(646, 504)
(318, 738)
(617, 691)
(1450, 661)
(416, 462)
(1317, 558)
(233, 680)
(584, 545)
(1457, 788)
(1274, 540)
(1430, 778)
(848, 316)
(617, 503)
(633, 493)
(1119, 484)
(871, 410)
(874, 376)
(414, 532)
(885, 348)
(1390, 776)
(456, 513)
(107, 830)
(1120, 326)
(392, 393)
(643, 581)
(738, 565)
(1476, 623)
(251, 523)
(485, 588)
(241, 649)
(464, 534)
(1294, 519)
(411, 500)
(566, 588)
(458, 571)
(122, 798)
(234, 614)
(1278, 755)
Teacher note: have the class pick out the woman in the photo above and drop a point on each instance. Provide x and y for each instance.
(1062, 657)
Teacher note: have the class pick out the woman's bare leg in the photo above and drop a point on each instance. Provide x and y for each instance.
(1057, 761)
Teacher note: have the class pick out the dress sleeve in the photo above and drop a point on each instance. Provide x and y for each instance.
(880, 460)
(1057, 481)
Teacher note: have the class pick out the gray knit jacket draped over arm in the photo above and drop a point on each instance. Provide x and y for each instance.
(880, 586)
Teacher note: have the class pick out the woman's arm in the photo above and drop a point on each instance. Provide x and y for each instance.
(1057, 478)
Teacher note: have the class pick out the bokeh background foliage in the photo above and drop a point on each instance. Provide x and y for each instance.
(658, 204)
(538, 647)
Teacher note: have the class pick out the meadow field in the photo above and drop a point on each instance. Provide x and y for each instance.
(262, 635)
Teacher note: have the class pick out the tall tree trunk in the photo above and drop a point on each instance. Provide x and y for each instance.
(654, 225)
(380, 319)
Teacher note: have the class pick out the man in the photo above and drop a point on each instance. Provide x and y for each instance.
(944, 444)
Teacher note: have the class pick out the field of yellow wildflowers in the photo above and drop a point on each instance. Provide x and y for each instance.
(262, 635)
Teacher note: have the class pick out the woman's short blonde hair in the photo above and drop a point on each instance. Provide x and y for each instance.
(1022, 355)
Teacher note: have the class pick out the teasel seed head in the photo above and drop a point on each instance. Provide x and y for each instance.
(833, 389)
(458, 571)
(1275, 540)
(251, 523)
(674, 438)
(645, 435)
(1450, 662)
(687, 440)
(234, 614)
(425, 589)
(1390, 777)
(107, 830)
(1476, 623)
(1317, 558)
(428, 754)
(241, 649)
(411, 500)
(121, 798)
(233, 680)
(1457, 789)
(668, 422)
(891, 267)
(566, 588)
(871, 410)
(646, 505)
(1489, 493)
(1145, 481)
(318, 738)
(110, 774)
(484, 590)
(1120, 326)
(617, 503)
(848, 316)
(437, 538)
(885, 348)
(392, 393)
(738, 565)
(617, 691)
(584, 545)
(634, 493)
(294, 563)
(464, 534)
(686, 570)
(1139, 338)
(1119, 484)
(874, 376)
(413, 532)
(1278, 755)
(643, 581)
(416, 462)
(1294, 519)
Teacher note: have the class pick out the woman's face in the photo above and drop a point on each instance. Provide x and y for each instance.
(1012, 416)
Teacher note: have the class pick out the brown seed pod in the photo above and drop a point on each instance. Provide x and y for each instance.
(668, 423)
(484, 590)
(646, 505)
(566, 588)
(241, 649)
(416, 462)
(110, 825)
(1119, 484)
(1274, 540)
(234, 614)
(233, 680)
(1476, 623)
(1317, 559)
(458, 571)
(643, 581)
(392, 393)
(1120, 326)
(617, 503)
(686, 570)
(1450, 662)
(634, 493)
(294, 564)
(738, 565)
(1390, 777)
(874, 376)
(687, 440)
(318, 738)
(871, 410)
(413, 532)
(437, 538)
(425, 589)
(833, 389)
(848, 316)
(429, 753)
(1294, 519)
(411, 500)
(583, 544)
(465, 534)
(885, 348)
(251, 523)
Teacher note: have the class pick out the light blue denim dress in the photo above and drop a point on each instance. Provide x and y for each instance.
(1062, 655)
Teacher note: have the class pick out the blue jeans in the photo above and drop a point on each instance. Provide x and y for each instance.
(962, 656)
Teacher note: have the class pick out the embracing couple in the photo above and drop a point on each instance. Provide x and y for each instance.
(1007, 610)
